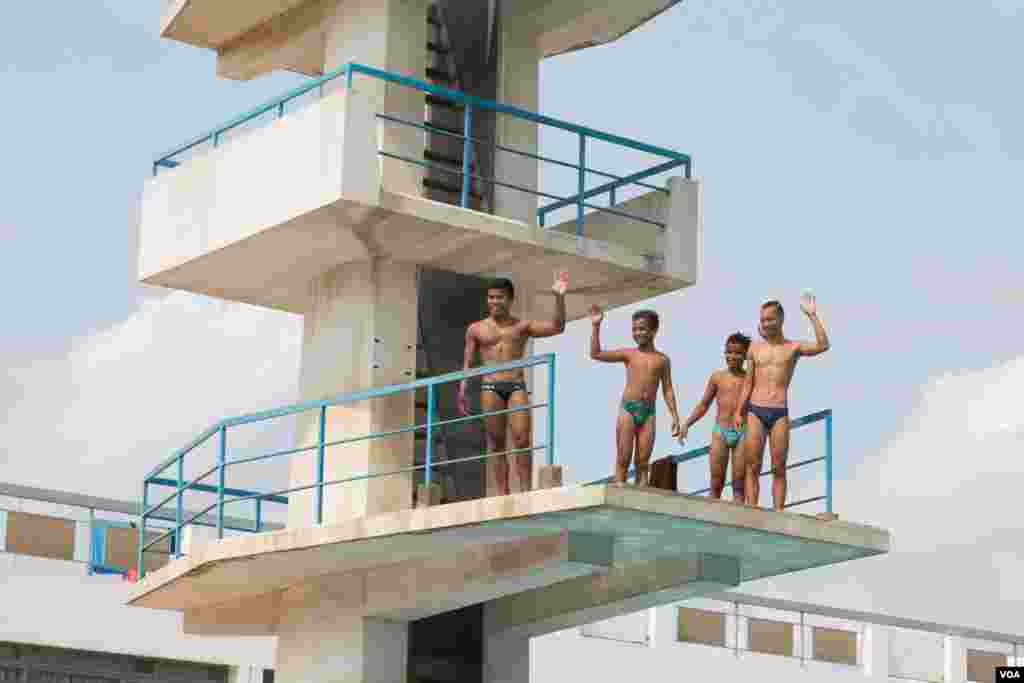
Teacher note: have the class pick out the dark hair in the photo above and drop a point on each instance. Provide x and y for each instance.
(739, 338)
(651, 316)
(777, 305)
(503, 284)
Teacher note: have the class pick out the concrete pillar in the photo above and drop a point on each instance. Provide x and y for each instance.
(682, 241)
(3, 530)
(359, 332)
(519, 57)
(876, 652)
(954, 660)
(506, 659)
(83, 540)
(318, 645)
(390, 35)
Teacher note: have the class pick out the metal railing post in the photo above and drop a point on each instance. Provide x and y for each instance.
(322, 430)
(179, 505)
(428, 458)
(549, 450)
(611, 196)
(221, 459)
(581, 183)
(142, 526)
(259, 514)
(467, 152)
(828, 462)
(280, 110)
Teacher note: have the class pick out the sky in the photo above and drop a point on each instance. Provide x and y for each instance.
(868, 151)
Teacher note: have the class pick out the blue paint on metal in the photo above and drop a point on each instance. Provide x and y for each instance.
(180, 502)
(581, 185)
(142, 527)
(606, 187)
(322, 430)
(207, 488)
(468, 101)
(550, 451)
(467, 152)
(259, 514)
(828, 462)
(221, 460)
(428, 457)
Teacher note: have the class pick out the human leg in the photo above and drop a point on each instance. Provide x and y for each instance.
(644, 447)
(495, 427)
(624, 438)
(718, 460)
(779, 440)
(753, 458)
(522, 436)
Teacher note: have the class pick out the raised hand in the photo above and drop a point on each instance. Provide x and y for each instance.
(808, 304)
(677, 431)
(561, 283)
(596, 314)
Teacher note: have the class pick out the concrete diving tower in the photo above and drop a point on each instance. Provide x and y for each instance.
(376, 201)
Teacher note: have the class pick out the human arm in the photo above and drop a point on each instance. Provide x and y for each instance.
(669, 394)
(745, 392)
(820, 344)
(469, 357)
(596, 316)
(549, 328)
(702, 407)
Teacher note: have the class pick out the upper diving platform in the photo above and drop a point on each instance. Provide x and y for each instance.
(346, 169)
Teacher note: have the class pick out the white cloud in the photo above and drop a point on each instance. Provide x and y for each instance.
(121, 400)
(948, 488)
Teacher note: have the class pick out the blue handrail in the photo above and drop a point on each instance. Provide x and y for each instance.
(822, 415)
(228, 495)
(470, 104)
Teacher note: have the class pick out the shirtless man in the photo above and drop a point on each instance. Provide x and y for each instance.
(772, 363)
(646, 367)
(725, 385)
(500, 338)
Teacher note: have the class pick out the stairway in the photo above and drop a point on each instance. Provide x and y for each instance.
(442, 114)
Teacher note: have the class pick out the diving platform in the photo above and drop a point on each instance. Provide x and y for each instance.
(542, 560)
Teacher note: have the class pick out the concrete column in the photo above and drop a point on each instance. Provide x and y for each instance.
(318, 645)
(954, 660)
(359, 332)
(389, 35)
(519, 57)
(875, 652)
(682, 242)
(507, 659)
(3, 530)
(83, 540)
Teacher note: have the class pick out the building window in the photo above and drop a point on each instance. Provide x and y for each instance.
(834, 645)
(770, 637)
(981, 665)
(701, 626)
(268, 676)
(41, 536)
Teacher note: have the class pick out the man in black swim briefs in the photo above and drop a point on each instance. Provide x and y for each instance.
(500, 338)
(772, 363)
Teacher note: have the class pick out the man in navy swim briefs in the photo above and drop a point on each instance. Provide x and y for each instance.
(772, 363)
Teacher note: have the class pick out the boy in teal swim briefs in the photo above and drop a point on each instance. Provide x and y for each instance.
(646, 368)
(726, 385)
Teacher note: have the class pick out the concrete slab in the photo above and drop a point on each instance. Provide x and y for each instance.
(640, 526)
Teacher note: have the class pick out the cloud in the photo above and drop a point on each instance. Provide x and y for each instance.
(122, 399)
(947, 486)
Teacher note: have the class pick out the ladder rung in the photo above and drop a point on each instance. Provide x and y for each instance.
(445, 187)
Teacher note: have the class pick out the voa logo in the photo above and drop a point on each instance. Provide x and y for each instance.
(1014, 674)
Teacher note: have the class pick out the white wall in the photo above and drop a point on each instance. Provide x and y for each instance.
(56, 603)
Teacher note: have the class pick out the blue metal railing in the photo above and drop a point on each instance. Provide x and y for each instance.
(470, 105)
(824, 415)
(228, 495)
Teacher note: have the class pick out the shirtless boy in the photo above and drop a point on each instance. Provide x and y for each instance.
(500, 338)
(772, 363)
(646, 367)
(725, 385)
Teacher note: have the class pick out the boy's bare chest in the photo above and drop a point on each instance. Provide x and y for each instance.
(775, 358)
(493, 335)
